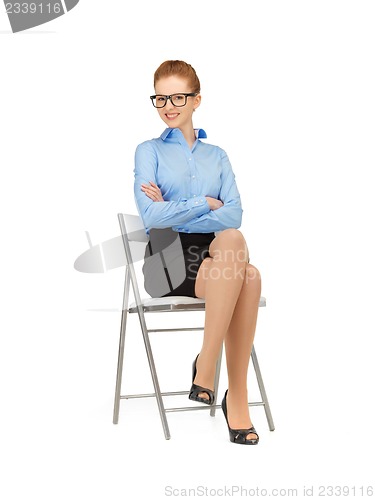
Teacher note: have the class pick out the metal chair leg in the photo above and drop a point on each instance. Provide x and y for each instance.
(262, 390)
(216, 381)
(120, 361)
(154, 376)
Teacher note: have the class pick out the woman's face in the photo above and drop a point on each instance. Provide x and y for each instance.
(173, 116)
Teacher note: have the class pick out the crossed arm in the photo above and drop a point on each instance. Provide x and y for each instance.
(153, 192)
(221, 215)
(198, 214)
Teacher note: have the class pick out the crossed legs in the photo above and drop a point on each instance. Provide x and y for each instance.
(231, 287)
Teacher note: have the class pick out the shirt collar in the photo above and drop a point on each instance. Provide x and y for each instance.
(170, 132)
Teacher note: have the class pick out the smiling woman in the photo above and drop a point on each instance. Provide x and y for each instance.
(185, 191)
(177, 95)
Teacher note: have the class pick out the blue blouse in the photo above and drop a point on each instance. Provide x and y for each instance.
(185, 176)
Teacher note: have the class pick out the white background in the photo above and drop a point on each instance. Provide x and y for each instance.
(288, 92)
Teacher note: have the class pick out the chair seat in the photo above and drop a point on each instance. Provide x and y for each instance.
(175, 303)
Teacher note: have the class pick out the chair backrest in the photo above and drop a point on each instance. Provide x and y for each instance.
(135, 239)
(134, 227)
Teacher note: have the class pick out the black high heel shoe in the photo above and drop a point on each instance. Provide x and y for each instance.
(197, 389)
(238, 435)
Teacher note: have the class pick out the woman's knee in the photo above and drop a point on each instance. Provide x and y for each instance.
(233, 236)
(229, 244)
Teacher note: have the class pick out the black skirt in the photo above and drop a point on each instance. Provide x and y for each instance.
(172, 260)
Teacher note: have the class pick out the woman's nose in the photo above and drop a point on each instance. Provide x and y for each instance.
(169, 104)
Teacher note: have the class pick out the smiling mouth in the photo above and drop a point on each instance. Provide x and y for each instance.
(172, 116)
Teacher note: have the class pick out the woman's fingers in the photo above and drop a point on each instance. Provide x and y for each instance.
(152, 192)
(153, 187)
(149, 190)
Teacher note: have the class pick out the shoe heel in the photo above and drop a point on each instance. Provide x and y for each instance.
(197, 389)
(194, 369)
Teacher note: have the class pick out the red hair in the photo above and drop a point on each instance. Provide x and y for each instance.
(181, 69)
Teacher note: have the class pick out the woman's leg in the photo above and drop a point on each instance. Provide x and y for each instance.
(238, 345)
(219, 280)
(231, 288)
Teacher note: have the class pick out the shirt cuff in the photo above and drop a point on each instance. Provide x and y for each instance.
(199, 204)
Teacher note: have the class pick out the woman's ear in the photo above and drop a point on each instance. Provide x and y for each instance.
(197, 101)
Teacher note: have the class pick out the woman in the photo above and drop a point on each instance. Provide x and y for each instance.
(186, 192)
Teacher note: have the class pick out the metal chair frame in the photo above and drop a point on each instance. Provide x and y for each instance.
(132, 230)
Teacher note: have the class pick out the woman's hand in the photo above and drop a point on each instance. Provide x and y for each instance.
(213, 203)
(152, 191)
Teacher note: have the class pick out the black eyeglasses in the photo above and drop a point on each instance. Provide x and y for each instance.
(178, 100)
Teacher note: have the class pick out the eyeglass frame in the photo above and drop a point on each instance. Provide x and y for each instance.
(186, 95)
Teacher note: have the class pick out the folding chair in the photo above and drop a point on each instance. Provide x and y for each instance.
(134, 238)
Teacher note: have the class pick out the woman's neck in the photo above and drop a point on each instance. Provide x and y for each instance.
(189, 134)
